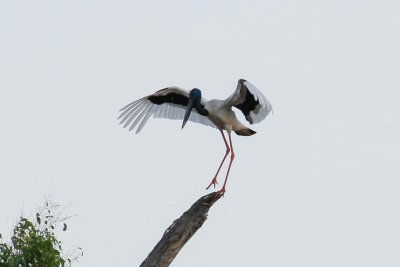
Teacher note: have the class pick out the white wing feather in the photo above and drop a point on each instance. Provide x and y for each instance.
(262, 109)
(143, 109)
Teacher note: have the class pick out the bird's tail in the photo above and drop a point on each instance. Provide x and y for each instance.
(245, 132)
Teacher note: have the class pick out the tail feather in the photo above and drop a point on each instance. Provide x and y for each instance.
(245, 132)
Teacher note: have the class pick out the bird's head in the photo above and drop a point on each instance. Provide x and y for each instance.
(195, 95)
(194, 100)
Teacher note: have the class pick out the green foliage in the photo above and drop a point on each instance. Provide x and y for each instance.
(35, 244)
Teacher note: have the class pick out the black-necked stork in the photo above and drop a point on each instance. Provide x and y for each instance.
(177, 104)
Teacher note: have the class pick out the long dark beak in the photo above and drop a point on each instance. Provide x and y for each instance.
(188, 110)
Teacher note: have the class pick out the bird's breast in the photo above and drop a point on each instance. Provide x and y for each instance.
(221, 115)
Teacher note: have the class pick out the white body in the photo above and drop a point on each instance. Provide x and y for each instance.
(223, 116)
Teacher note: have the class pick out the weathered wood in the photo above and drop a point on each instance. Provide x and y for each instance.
(180, 231)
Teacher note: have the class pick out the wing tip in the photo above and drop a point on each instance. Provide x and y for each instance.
(242, 80)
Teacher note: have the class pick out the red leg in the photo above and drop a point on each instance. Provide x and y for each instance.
(222, 191)
(214, 180)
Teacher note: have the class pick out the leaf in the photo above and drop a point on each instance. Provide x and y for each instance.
(38, 218)
(65, 227)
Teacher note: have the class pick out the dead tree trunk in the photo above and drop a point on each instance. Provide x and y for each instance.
(180, 231)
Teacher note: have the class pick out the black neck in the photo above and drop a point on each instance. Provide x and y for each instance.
(201, 110)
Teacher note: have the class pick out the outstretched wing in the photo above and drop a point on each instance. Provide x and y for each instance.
(169, 103)
(251, 102)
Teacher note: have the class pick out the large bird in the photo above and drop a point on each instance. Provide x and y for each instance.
(177, 104)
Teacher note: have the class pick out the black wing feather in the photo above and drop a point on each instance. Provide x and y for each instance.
(249, 104)
(172, 98)
(250, 101)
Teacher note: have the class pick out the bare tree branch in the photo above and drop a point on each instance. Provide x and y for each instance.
(180, 231)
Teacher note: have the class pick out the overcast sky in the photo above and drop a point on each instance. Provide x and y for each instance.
(318, 185)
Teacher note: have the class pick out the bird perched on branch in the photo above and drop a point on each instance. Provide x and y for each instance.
(179, 104)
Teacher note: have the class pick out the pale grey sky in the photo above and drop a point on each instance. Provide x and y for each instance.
(318, 185)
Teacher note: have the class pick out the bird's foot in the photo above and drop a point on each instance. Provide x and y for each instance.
(213, 182)
(221, 192)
